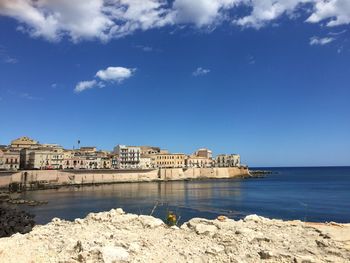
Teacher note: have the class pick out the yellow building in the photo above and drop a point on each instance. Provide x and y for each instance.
(24, 143)
(168, 160)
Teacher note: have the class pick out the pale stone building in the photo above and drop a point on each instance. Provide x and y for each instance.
(87, 149)
(105, 163)
(49, 157)
(9, 160)
(43, 158)
(204, 152)
(2, 161)
(147, 151)
(228, 160)
(198, 162)
(145, 163)
(168, 160)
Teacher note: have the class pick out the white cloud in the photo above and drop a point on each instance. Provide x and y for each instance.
(110, 74)
(264, 11)
(321, 41)
(107, 19)
(200, 72)
(85, 19)
(337, 11)
(144, 48)
(117, 74)
(201, 12)
(84, 85)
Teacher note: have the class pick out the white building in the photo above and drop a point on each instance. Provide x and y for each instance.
(129, 156)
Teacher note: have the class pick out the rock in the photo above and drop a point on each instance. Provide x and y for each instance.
(222, 218)
(150, 221)
(120, 211)
(13, 221)
(304, 259)
(78, 246)
(265, 254)
(79, 221)
(134, 247)
(254, 218)
(56, 220)
(114, 254)
(114, 237)
(203, 229)
(321, 243)
(215, 249)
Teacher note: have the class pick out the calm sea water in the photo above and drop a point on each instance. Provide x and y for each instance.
(310, 194)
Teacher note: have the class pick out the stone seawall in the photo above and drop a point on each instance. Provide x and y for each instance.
(54, 178)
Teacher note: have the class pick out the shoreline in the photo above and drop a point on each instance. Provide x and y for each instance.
(117, 236)
(41, 179)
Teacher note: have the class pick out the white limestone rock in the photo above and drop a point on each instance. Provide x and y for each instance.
(112, 254)
(150, 221)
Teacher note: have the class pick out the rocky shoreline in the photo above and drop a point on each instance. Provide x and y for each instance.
(13, 220)
(118, 237)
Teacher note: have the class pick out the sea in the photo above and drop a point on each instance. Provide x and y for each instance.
(314, 194)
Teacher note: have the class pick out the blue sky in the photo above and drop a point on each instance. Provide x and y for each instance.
(273, 88)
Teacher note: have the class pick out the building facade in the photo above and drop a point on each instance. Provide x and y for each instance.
(169, 160)
(129, 156)
(198, 162)
(9, 160)
(204, 152)
(24, 143)
(228, 160)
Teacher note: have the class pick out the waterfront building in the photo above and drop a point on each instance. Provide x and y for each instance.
(43, 158)
(88, 149)
(129, 156)
(26, 153)
(147, 151)
(168, 160)
(46, 156)
(145, 163)
(228, 160)
(114, 160)
(24, 143)
(2, 161)
(9, 160)
(198, 162)
(204, 152)
(105, 163)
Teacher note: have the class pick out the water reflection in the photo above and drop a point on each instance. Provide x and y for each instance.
(310, 194)
(187, 198)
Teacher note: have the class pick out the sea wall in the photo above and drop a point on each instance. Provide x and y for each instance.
(33, 179)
